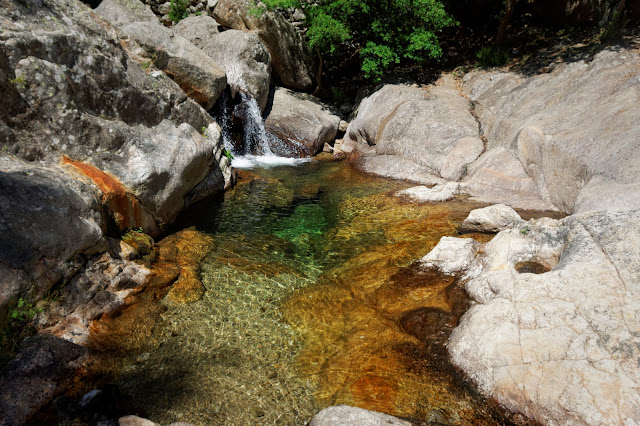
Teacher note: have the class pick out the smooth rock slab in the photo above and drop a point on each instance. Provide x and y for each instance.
(559, 342)
(442, 192)
(493, 219)
(451, 255)
(343, 415)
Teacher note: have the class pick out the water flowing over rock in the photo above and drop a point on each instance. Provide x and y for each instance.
(242, 55)
(195, 72)
(293, 63)
(98, 141)
(301, 122)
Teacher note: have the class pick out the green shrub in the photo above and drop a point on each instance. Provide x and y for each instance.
(178, 10)
(383, 33)
(493, 56)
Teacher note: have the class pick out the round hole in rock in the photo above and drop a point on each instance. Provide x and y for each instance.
(531, 267)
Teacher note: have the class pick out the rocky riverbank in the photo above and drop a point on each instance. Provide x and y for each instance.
(553, 332)
(106, 129)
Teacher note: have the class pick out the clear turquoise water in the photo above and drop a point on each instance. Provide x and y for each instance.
(297, 278)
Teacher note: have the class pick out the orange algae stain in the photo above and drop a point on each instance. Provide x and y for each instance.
(175, 277)
(125, 208)
(375, 327)
(191, 247)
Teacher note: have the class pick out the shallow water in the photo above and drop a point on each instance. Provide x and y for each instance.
(307, 299)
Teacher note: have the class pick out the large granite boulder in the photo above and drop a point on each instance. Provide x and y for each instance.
(95, 140)
(574, 132)
(45, 367)
(301, 123)
(430, 129)
(49, 222)
(196, 73)
(554, 332)
(293, 63)
(244, 58)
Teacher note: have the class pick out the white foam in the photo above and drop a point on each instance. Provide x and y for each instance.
(250, 161)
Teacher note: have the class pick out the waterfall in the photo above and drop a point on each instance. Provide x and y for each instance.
(255, 136)
(241, 116)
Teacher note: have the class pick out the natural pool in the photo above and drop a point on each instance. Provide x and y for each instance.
(308, 299)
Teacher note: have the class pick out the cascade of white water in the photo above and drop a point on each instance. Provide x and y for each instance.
(258, 146)
(255, 136)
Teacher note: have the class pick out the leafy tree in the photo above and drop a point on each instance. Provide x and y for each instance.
(382, 32)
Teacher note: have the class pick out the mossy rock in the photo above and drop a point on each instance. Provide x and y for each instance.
(141, 242)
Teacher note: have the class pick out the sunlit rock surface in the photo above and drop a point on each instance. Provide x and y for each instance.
(554, 331)
(244, 58)
(95, 139)
(301, 122)
(291, 57)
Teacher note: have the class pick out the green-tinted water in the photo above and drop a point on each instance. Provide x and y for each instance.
(309, 302)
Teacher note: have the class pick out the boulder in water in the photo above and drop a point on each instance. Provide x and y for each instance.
(301, 123)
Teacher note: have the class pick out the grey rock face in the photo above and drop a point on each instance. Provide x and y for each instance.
(437, 193)
(39, 371)
(432, 128)
(95, 135)
(554, 331)
(244, 58)
(343, 415)
(301, 122)
(196, 73)
(575, 130)
(49, 223)
(293, 63)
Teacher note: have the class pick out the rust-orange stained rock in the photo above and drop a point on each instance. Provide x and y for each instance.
(122, 204)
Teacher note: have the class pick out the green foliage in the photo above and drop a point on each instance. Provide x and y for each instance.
(24, 311)
(20, 80)
(255, 10)
(383, 33)
(178, 10)
(615, 28)
(228, 154)
(493, 56)
(17, 325)
(525, 230)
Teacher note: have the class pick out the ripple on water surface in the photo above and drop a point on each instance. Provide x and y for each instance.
(310, 301)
